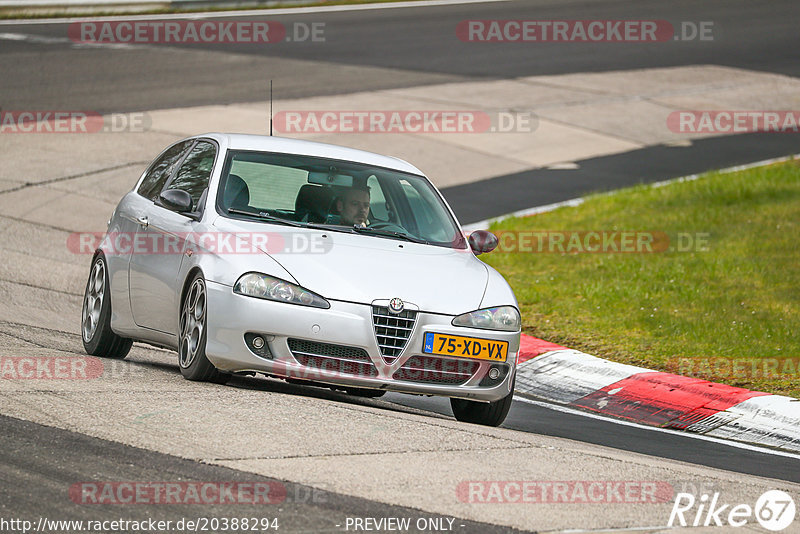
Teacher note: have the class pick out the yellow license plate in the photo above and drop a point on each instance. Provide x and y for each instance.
(465, 347)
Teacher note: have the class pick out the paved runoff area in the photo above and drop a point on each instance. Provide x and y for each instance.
(55, 184)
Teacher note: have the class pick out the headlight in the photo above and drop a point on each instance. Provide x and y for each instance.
(268, 287)
(504, 318)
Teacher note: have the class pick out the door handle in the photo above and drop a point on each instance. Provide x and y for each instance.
(143, 221)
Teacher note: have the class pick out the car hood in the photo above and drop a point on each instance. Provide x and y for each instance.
(359, 268)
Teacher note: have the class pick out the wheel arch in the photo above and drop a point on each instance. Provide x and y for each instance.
(187, 281)
(97, 253)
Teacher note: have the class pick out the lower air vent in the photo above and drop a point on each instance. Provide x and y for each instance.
(434, 370)
(333, 358)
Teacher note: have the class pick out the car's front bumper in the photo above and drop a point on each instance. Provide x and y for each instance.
(348, 325)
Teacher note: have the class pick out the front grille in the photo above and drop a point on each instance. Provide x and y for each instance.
(392, 330)
(434, 370)
(333, 358)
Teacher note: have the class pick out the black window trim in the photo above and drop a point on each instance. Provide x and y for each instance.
(156, 160)
(196, 215)
(183, 159)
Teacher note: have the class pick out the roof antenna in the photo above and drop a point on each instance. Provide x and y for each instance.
(270, 108)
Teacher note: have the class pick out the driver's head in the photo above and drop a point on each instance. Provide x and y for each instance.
(353, 207)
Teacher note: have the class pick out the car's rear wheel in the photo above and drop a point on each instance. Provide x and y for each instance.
(192, 341)
(483, 413)
(98, 338)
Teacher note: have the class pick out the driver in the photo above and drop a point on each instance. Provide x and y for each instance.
(353, 207)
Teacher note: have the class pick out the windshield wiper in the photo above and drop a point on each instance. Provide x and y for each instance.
(265, 217)
(388, 233)
(262, 216)
(331, 227)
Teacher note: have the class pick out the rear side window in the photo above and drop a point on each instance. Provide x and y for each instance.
(196, 170)
(161, 169)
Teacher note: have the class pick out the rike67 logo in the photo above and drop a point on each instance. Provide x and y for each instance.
(774, 510)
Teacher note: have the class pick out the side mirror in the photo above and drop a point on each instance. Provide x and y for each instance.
(176, 200)
(482, 241)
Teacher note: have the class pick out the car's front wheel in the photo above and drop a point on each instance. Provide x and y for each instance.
(98, 338)
(192, 342)
(483, 413)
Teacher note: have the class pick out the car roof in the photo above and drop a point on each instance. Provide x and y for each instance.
(268, 143)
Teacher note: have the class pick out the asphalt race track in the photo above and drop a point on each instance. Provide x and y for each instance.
(335, 457)
(405, 47)
(529, 417)
(61, 458)
(414, 47)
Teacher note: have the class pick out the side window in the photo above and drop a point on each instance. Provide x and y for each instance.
(161, 170)
(196, 170)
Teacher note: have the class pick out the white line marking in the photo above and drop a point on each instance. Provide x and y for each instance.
(33, 38)
(42, 39)
(564, 166)
(738, 445)
(484, 224)
(252, 12)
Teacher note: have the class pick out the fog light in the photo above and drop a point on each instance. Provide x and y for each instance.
(496, 374)
(257, 343)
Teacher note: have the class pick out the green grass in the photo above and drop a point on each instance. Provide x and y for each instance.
(739, 299)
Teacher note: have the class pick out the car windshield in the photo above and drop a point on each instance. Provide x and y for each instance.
(344, 196)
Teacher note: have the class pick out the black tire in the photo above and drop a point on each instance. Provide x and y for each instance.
(192, 336)
(98, 338)
(365, 392)
(482, 413)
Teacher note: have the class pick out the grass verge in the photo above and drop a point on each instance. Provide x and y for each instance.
(721, 302)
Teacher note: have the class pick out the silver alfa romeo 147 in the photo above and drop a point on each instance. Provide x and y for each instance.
(310, 262)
